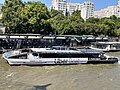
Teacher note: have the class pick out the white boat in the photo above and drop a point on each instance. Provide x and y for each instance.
(56, 56)
(106, 46)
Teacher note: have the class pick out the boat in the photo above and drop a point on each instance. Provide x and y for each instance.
(57, 56)
(106, 46)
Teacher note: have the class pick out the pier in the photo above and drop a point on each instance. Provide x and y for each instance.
(17, 41)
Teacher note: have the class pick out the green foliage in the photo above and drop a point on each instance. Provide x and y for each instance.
(34, 17)
(10, 12)
(54, 13)
(28, 17)
(76, 16)
(113, 17)
(56, 21)
(93, 20)
(117, 32)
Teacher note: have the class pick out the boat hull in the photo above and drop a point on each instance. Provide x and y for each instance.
(48, 62)
(106, 46)
(102, 62)
(105, 50)
(57, 57)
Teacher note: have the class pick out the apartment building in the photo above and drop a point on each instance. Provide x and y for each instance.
(118, 2)
(60, 5)
(87, 8)
(109, 11)
(71, 7)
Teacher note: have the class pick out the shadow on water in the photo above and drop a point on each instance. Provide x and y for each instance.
(43, 87)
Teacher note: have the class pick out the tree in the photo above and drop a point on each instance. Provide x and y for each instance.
(54, 13)
(113, 17)
(76, 16)
(10, 17)
(117, 32)
(70, 25)
(34, 18)
(30, 17)
(93, 20)
(55, 20)
(76, 13)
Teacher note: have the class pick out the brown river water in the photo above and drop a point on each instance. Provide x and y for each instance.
(68, 77)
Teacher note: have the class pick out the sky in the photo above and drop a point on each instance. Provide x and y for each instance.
(99, 4)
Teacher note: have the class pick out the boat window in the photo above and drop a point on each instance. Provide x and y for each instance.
(93, 55)
(26, 50)
(62, 55)
(101, 46)
(48, 55)
(117, 46)
(35, 54)
(89, 55)
(66, 55)
(23, 56)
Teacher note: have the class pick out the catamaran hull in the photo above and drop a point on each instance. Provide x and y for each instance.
(57, 57)
(102, 62)
(60, 62)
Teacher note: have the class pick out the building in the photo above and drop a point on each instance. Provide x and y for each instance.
(60, 5)
(87, 8)
(109, 11)
(118, 2)
(71, 7)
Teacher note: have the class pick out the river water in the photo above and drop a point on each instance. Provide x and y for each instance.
(71, 77)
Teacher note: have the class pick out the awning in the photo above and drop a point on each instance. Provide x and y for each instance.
(17, 37)
(2, 37)
(34, 37)
(48, 37)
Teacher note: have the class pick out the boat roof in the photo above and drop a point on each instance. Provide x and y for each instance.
(49, 50)
(107, 43)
